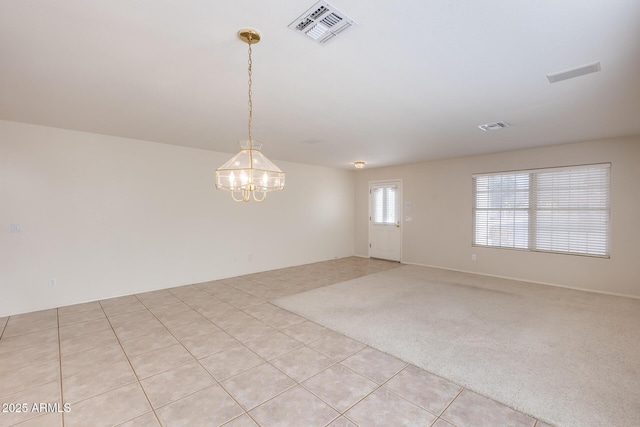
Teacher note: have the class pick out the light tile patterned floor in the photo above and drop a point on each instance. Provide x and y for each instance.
(217, 353)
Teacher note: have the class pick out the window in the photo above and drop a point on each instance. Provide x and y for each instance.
(563, 210)
(383, 208)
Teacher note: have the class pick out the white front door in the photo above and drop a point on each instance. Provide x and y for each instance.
(384, 220)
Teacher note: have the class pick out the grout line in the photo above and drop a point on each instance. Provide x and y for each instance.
(216, 382)
(451, 403)
(60, 361)
(131, 366)
(4, 327)
(416, 403)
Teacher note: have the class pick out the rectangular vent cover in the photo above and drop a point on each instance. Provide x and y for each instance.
(322, 23)
(574, 72)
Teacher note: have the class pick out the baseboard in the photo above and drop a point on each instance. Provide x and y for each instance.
(555, 285)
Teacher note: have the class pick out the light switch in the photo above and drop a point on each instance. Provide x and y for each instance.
(408, 218)
(15, 228)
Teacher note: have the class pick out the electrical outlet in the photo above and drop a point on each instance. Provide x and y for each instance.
(52, 282)
(473, 257)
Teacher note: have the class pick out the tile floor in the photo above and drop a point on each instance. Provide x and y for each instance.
(218, 354)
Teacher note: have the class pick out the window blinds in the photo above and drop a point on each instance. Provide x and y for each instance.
(502, 210)
(562, 210)
(572, 210)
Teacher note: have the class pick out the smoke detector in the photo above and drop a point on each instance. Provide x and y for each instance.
(322, 23)
(494, 126)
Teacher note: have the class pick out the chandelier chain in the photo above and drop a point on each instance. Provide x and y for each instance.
(250, 101)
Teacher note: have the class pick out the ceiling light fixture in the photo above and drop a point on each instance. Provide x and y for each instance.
(249, 174)
(358, 165)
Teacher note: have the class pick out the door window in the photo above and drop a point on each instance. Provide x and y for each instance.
(383, 205)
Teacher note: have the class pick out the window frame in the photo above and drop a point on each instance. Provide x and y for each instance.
(385, 204)
(534, 241)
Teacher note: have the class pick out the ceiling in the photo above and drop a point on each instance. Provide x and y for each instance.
(410, 83)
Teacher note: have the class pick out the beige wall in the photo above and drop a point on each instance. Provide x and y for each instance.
(440, 233)
(110, 216)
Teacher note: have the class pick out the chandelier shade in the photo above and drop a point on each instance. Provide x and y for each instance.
(249, 174)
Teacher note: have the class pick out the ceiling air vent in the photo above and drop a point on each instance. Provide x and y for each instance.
(322, 22)
(574, 72)
(494, 126)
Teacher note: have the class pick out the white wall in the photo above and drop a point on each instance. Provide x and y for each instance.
(109, 216)
(440, 233)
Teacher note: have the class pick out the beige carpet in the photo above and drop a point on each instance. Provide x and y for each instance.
(567, 357)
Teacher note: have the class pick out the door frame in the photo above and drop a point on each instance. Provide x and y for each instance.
(398, 182)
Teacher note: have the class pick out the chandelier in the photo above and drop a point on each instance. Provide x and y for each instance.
(249, 174)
